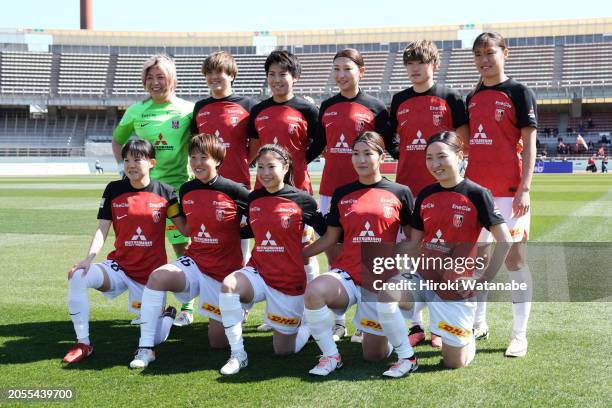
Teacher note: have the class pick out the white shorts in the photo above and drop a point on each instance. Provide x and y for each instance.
(324, 204)
(199, 284)
(519, 227)
(119, 283)
(452, 320)
(366, 317)
(283, 312)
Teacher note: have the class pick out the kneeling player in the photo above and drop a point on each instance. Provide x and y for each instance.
(213, 206)
(446, 222)
(277, 215)
(137, 207)
(369, 210)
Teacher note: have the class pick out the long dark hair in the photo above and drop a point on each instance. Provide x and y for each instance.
(282, 155)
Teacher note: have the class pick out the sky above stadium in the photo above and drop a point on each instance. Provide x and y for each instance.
(268, 15)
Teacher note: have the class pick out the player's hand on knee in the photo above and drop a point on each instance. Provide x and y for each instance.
(85, 264)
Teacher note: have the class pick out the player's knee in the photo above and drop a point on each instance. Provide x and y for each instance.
(230, 284)
(314, 295)
(159, 279)
(453, 363)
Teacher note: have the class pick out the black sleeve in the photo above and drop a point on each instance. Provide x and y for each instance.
(526, 108)
(333, 216)
(488, 214)
(407, 201)
(416, 221)
(391, 138)
(241, 198)
(458, 110)
(311, 113)
(105, 212)
(194, 125)
(320, 139)
(251, 130)
(245, 230)
(169, 193)
(311, 214)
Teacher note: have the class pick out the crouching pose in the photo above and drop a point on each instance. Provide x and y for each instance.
(369, 210)
(446, 222)
(137, 208)
(214, 207)
(277, 215)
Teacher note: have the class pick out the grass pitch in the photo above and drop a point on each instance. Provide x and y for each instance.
(46, 225)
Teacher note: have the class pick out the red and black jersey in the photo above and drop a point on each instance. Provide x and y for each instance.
(497, 115)
(213, 212)
(415, 117)
(277, 221)
(291, 124)
(139, 220)
(367, 214)
(451, 220)
(228, 119)
(341, 121)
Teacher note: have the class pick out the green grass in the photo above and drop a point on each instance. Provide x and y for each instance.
(45, 228)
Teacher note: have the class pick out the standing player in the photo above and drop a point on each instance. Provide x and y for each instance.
(164, 120)
(503, 122)
(137, 207)
(213, 206)
(277, 216)
(289, 121)
(418, 112)
(342, 118)
(369, 210)
(446, 222)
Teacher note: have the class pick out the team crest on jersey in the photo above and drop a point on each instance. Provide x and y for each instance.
(156, 216)
(387, 211)
(175, 124)
(285, 221)
(360, 126)
(437, 119)
(293, 127)
(499, 114)
(457, 220)
(220, 214)
(234, 120)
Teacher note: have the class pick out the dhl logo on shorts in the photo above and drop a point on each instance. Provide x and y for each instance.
(457, 331)
(370, 324)
(211, 308)
(136, 304)
(285, 321)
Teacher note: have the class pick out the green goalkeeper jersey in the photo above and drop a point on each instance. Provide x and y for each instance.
(166, 126)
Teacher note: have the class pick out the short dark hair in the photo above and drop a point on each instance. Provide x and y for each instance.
(138, 149)
(283, 155)
(286, 60)
(209, 145)
(373, 140)
(351, 54)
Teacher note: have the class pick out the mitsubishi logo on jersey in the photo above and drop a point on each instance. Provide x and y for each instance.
(480, 137)
(161, 144)
(418, 143)
(138, 240)
(438, 238)
(366, 235)
(341, 146)
(269, 245)
(437, 243)
(218, 134)
(204, 236)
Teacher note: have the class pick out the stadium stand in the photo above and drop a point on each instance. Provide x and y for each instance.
(86, 84)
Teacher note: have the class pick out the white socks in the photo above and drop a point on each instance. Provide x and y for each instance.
(152, 304)
(521, 302)
(320, 324)
(393, 325)
(312, 269)
(301, 338)
(78, 300)
(417, 314)
(480, 315)
(231, 316)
